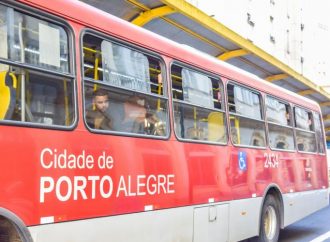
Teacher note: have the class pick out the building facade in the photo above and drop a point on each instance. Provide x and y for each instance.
(296, 32)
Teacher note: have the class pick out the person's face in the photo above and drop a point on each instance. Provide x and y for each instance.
(101, 103)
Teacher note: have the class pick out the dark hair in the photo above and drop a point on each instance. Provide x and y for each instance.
(100, 92)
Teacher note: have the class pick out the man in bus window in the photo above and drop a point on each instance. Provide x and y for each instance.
(98, 117)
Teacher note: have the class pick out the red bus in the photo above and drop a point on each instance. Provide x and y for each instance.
(111, 133)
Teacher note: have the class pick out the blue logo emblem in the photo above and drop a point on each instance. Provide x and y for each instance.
(242, 161)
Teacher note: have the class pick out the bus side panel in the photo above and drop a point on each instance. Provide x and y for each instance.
(62, 175)
(244, 218)
(161, 226)
(299, 205)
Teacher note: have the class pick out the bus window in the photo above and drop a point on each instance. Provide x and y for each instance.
(305, 135)
(33, 41)
(133, 84)
(246, 122)
(197, 100)
(42, 95)
(319, 133)
(278, 117)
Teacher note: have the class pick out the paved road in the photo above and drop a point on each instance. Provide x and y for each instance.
(314, 228)
(309, 229)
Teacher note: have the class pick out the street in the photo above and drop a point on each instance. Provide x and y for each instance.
(314, 228)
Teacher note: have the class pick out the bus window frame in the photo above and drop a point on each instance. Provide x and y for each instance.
(104, 36)
(222, 110)
(284, 126)
(71, 75)
(262, 113)
(303, 130)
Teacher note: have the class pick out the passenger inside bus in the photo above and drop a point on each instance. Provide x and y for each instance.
(98, 117)
(135, 115)
(155, 125)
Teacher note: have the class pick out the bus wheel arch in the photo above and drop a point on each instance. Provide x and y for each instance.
(12, 229)
(271, 216)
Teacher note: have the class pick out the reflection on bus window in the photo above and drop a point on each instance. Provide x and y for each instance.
(124, 67)
(305, 134)
(244, 102)
(27, 95)
(133, 84)
(319, 133)
(277, 111)
(280, 137)
(33, 41)
(246, 125)
(303, 119)
(197, 106)
(279, 124)
(248, 132)
(306, 141)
